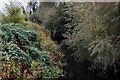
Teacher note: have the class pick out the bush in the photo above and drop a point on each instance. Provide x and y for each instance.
(22, 54)
(13, 13)
(95, 27)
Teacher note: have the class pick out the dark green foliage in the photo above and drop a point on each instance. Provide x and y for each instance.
(92, 38)
(22, 45)
(89, 30)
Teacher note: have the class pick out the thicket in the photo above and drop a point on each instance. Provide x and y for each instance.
(27, 49)
(94, 36)
(22, 56)
(90, 30)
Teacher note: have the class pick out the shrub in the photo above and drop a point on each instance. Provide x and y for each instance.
(22, 54)
(13, 13)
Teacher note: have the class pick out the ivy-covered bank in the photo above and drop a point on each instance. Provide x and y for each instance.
(23, 56)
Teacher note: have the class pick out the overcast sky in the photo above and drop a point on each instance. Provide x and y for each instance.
(24, 2)
(3, 2)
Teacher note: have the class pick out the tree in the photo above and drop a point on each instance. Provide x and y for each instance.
(32, 7)
(92, 38)
(13, 13)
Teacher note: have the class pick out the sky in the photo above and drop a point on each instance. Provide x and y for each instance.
(24, 2)
(3, 2)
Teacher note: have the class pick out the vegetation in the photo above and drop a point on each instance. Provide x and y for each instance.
(23, 56)
(89, 30)
(27, 49)
(13, 13)
(42, 40)
(91, 38)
